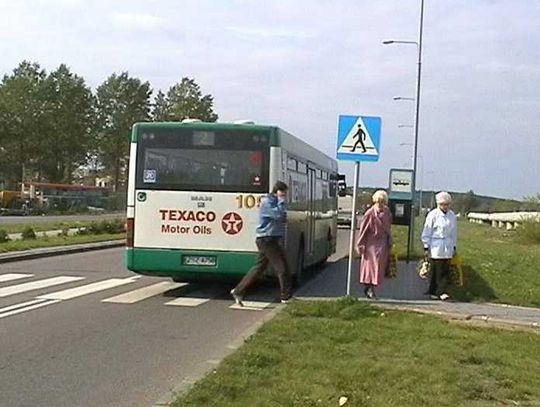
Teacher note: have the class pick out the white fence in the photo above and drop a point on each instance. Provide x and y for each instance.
(510, 220)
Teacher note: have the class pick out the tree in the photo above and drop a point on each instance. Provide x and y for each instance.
(121, 101)
(531, 203)
(185, 101)
(69, 119)
(21, 120)
(160, 109)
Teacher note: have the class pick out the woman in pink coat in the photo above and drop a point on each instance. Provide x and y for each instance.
(374, 243)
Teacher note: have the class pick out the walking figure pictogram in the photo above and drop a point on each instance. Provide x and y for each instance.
(361, 134)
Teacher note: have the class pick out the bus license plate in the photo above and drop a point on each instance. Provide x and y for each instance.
(199, 260)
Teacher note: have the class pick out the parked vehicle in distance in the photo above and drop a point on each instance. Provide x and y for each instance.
(344, 215)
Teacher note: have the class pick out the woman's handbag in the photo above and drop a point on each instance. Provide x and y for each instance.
(456, 270)
(424, 268)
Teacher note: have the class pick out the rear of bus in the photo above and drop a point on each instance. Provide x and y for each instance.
(193, 195)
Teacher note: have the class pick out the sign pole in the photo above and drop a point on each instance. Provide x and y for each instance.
(353, 225)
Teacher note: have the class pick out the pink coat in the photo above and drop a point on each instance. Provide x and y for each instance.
(374, 243)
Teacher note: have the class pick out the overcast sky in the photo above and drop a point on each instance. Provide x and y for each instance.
(299, 64)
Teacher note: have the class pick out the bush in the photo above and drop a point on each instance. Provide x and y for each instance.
(529, 230)
(28, 233)
(114, 226)
(106, 226)
(95, 228)
(4, 237)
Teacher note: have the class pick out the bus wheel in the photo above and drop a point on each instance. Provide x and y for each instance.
(299, 271)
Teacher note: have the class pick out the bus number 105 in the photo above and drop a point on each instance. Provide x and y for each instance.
(248, 201)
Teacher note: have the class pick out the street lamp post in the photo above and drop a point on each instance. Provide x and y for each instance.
(416, 120)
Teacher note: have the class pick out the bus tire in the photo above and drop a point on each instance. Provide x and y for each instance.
(299, 274)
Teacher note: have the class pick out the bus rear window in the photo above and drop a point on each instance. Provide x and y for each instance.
(183, 159)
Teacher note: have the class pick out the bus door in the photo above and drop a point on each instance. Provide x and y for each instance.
(312, 196)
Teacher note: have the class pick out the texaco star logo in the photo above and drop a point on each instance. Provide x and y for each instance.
(232, 223)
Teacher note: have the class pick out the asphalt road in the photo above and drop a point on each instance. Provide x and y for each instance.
(80, 330)
(62, 347)
(10, 220)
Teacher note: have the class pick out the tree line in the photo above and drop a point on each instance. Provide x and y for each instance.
(53, 124)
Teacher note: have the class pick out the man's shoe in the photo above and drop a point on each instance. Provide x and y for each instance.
(288, 300)
(434, 297)
(444, 296)
(237, 298)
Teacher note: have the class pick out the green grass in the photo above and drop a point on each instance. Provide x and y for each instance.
(44, 226)
(314, 352)
(16, 245)
(501, 266)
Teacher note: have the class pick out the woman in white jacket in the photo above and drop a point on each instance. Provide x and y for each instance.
(439, 238)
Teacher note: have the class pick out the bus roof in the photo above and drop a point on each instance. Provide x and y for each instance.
(198, 126)
(278, 137)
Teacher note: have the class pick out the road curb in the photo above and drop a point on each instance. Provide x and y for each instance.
(496, 321)
(398, 305)
(58, 250)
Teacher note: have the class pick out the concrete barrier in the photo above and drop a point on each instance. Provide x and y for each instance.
(510, 220)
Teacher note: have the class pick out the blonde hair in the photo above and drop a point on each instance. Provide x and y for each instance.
(380, 195)
(443, 197)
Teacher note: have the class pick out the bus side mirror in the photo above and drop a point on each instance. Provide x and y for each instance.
(342, 185)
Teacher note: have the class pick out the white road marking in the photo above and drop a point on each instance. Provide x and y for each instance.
(87, 289)
(20, 305)
(30, 305)
(13, 276)
(35, 285)
(188, 301)
(144, 293)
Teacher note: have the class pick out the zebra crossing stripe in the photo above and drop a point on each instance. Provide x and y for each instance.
(188, 302)
(25, 306)
(88, 289)
(144, 293)
(35, 285)
(13, 276)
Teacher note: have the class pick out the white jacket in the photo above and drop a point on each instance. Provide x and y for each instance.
(440, 233)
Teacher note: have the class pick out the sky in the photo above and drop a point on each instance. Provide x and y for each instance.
(299, 64)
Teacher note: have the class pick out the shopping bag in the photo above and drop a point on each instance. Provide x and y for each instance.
(424, 268)
(391, 268)
(456, 270)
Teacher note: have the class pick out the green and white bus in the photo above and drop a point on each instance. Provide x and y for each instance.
(194, 189)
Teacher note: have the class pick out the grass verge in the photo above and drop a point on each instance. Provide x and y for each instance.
(313, 353)
(44, 226)
(17, 245)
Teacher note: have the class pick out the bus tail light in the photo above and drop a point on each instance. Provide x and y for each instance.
(130, 223)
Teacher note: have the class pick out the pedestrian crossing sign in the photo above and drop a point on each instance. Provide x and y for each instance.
(359, 138)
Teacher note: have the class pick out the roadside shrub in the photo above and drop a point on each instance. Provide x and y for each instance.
(28, 233)
(529, 230)
(95, 228)
(105, 226)
(4, 237)
(115, 226)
